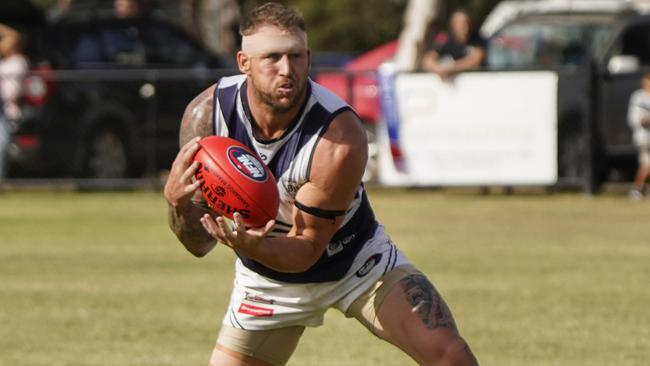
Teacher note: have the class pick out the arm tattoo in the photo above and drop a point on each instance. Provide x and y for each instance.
(185, 223)
(185, 220)
(427, 302)
(197, 120)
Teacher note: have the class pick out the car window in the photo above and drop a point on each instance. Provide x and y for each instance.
(546, 44)
(168, 47)
(635, 41)
(110, 46)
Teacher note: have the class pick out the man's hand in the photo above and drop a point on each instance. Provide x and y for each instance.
(180, 186)
(241, 240)
(443, 71)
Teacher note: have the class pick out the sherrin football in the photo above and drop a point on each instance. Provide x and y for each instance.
(234, 179)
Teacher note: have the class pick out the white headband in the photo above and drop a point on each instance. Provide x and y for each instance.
(264, 42)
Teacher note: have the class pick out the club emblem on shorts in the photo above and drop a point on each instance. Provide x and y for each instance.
(255, 310)
(370, 264)
(257, 298)
(246, 163)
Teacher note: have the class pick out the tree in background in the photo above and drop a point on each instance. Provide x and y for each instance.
(334, 25)
(347, 25)
(220, 35)
(351, 26)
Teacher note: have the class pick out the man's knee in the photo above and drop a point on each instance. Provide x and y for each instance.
(453, 351)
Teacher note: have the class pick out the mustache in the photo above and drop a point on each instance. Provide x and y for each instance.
(287, 82)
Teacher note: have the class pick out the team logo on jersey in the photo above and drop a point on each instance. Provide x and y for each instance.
(338, 246)
(370, 264)
(246, 163)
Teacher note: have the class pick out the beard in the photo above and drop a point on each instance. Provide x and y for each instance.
(272, 100)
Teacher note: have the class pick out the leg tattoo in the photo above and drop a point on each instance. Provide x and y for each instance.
(427, 302)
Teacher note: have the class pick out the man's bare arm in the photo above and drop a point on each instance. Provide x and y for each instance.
(429, 61)
(337, 168)
(471, 61)
(186, 205)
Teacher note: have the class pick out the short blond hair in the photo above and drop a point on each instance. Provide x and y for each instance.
(272, 14)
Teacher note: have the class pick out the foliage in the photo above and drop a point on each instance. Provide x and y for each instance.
(345, 25)
(348, 25)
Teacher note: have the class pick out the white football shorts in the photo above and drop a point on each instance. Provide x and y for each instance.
(261, 303)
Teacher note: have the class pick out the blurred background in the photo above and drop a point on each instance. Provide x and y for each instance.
(108, 80)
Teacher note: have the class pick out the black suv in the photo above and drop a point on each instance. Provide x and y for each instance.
(600, 55)
(105, 97)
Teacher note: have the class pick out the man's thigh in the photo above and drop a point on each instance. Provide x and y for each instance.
(405, 309)
(237, 347)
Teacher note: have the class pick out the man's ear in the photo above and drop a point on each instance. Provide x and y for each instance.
(243, 62)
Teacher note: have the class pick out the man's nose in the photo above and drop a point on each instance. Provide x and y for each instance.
(284, 65)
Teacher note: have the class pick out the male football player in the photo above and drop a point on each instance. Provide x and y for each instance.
(324, 249)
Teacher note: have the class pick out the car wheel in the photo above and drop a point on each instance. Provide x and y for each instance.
(107, 158)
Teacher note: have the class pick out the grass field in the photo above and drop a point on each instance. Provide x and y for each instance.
(98, 279)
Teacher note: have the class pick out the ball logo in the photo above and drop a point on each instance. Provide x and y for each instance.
(218, 190)
(246, 163)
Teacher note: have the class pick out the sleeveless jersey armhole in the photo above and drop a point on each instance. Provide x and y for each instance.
(321, 133)
(215, 103)
(225, 102)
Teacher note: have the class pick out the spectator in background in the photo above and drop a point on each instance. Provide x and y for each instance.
(13, 68)
(59, 10)
(462, 50)
(639, 120)
(127, 8)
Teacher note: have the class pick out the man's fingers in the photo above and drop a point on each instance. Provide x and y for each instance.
(223, 233)
(181, 156)
(189, 172)
(213, 229)
(192, 187)
(240, 226)
(190, 152)
(225, 228)
(268, 228)
(190, 144)
(208, 225)
(187, 151)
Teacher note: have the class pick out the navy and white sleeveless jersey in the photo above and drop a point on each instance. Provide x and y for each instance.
(289, 159)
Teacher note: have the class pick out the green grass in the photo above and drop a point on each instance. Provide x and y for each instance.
(98, 279)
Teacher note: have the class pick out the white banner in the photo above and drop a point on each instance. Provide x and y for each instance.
(482, 128)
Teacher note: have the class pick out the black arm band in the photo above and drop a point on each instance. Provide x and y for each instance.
(319, 212)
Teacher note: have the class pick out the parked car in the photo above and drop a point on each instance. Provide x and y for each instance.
(106, 96)
(599, 49)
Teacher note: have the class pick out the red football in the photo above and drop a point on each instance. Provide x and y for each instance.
(234, 179)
